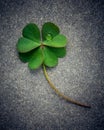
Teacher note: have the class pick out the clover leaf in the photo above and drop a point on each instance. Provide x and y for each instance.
(43, 48)
(40, 52)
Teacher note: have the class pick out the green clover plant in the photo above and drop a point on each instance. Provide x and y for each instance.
(43, 48)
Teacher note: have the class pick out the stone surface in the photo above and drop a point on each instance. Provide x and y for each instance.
(26, 100)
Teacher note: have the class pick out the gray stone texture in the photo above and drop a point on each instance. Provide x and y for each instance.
(26, 100)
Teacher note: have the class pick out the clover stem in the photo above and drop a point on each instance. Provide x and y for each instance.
(61, 94)
(42, 45)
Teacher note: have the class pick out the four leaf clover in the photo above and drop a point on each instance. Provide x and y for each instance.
(41, 47)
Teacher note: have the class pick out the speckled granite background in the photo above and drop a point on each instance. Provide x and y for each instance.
(26, 100)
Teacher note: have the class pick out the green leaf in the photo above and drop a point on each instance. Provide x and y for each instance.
(26, 45)
(49, 29)
(50, 59)
(32, 32)
(36, 60)
(32, 50)
(58, 41)
(59, 52)
(25, 57)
